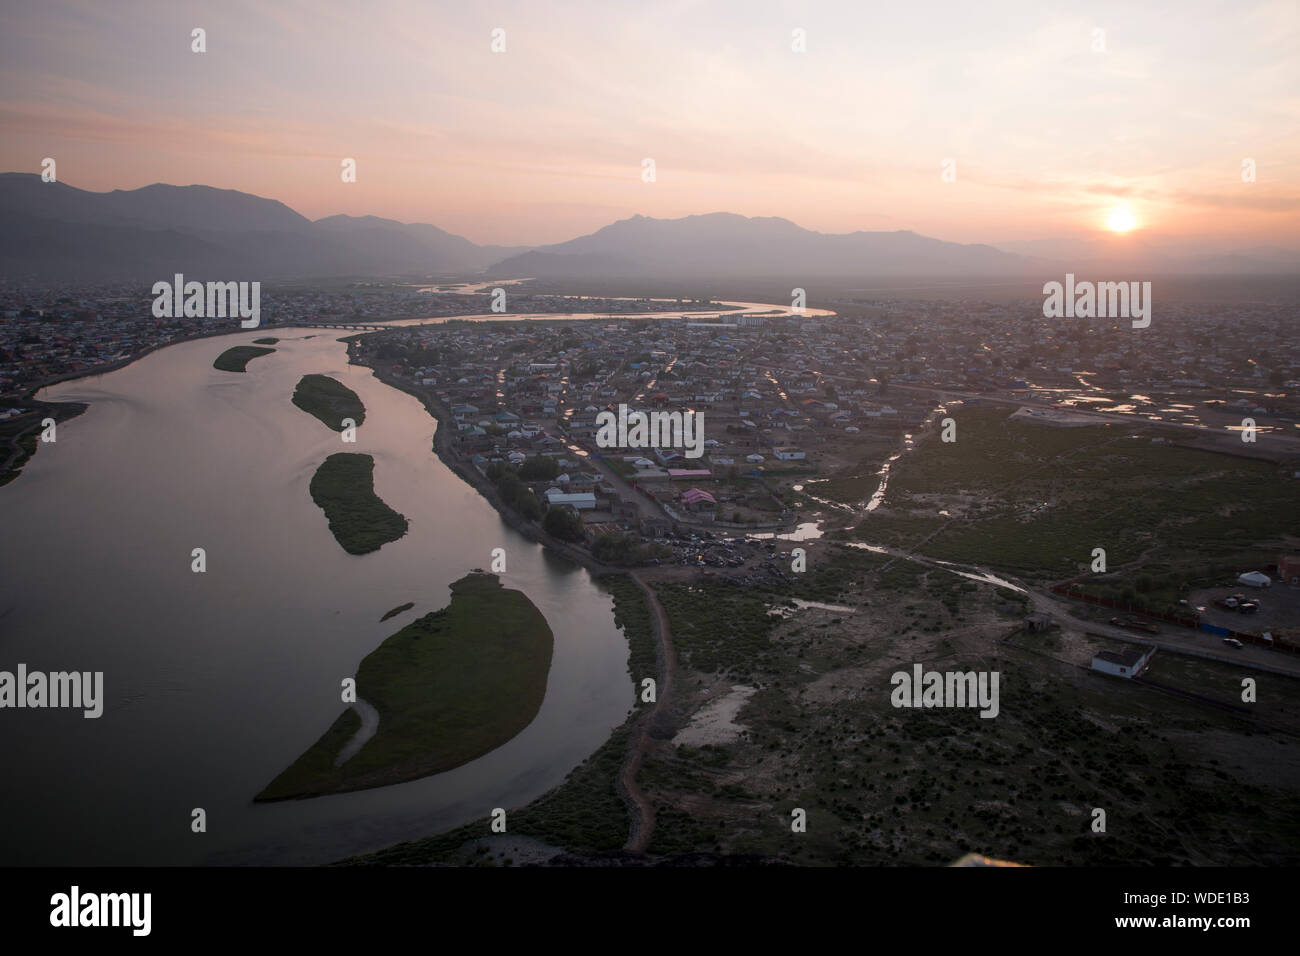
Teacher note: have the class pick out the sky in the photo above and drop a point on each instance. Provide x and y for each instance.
(1057, 118)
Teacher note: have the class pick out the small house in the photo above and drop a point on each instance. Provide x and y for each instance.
(1127, 663)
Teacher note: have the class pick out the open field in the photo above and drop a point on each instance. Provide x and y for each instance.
(1036, 500)
(898, 786)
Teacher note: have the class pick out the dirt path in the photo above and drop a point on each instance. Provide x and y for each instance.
(369, 725)
(639, 808)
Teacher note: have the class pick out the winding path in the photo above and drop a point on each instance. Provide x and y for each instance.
(639, 807)
(369, 727)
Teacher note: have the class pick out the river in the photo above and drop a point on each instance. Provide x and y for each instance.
(217, 681)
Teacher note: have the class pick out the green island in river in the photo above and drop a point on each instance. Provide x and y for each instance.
(236, 359)
(448, 687)
(329, 400)
(344, 487)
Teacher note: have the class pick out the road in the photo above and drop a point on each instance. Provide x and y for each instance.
(1176, 640)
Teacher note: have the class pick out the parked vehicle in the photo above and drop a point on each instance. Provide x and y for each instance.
(1232, 642)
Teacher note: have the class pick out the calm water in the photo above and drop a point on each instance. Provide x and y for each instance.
(215, 682)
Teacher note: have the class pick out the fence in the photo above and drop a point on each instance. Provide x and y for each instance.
(1065, 589)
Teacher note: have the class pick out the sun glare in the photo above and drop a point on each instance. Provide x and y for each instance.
(1120, 219)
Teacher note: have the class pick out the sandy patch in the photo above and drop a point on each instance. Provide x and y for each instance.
(716, 722)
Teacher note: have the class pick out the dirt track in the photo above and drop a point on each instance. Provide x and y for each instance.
(639, 808)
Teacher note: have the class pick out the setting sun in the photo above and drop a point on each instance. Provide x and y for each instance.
(1120, 219)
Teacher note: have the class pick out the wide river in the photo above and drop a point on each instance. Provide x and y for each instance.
(215, 682)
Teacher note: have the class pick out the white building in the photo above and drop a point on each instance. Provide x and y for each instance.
(1125, 663)
(1255, 579)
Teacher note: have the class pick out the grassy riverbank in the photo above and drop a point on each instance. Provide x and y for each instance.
(343, 487)
(236, 358)
(449, 687)
(328, 400)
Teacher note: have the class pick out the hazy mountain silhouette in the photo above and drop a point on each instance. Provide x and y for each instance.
(731, 245)
(54, 231)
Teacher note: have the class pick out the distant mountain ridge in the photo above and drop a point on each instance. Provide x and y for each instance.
(56, 232)
(53, 231)
(731, 245)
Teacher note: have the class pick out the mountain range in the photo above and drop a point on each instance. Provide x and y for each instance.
(53, 231)
(56, 232)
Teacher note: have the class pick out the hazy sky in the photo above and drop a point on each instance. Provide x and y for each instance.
(545, 141)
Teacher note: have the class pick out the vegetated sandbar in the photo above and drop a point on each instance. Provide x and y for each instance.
(401, 608)
(328, 400)
(449, 687)
(268, 341)
(344, 487)
(236, 358)
(584, 814)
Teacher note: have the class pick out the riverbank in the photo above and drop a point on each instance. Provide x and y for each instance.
(22, 442)
(20, 435)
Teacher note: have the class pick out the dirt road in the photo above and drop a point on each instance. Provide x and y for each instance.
(639, 808)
